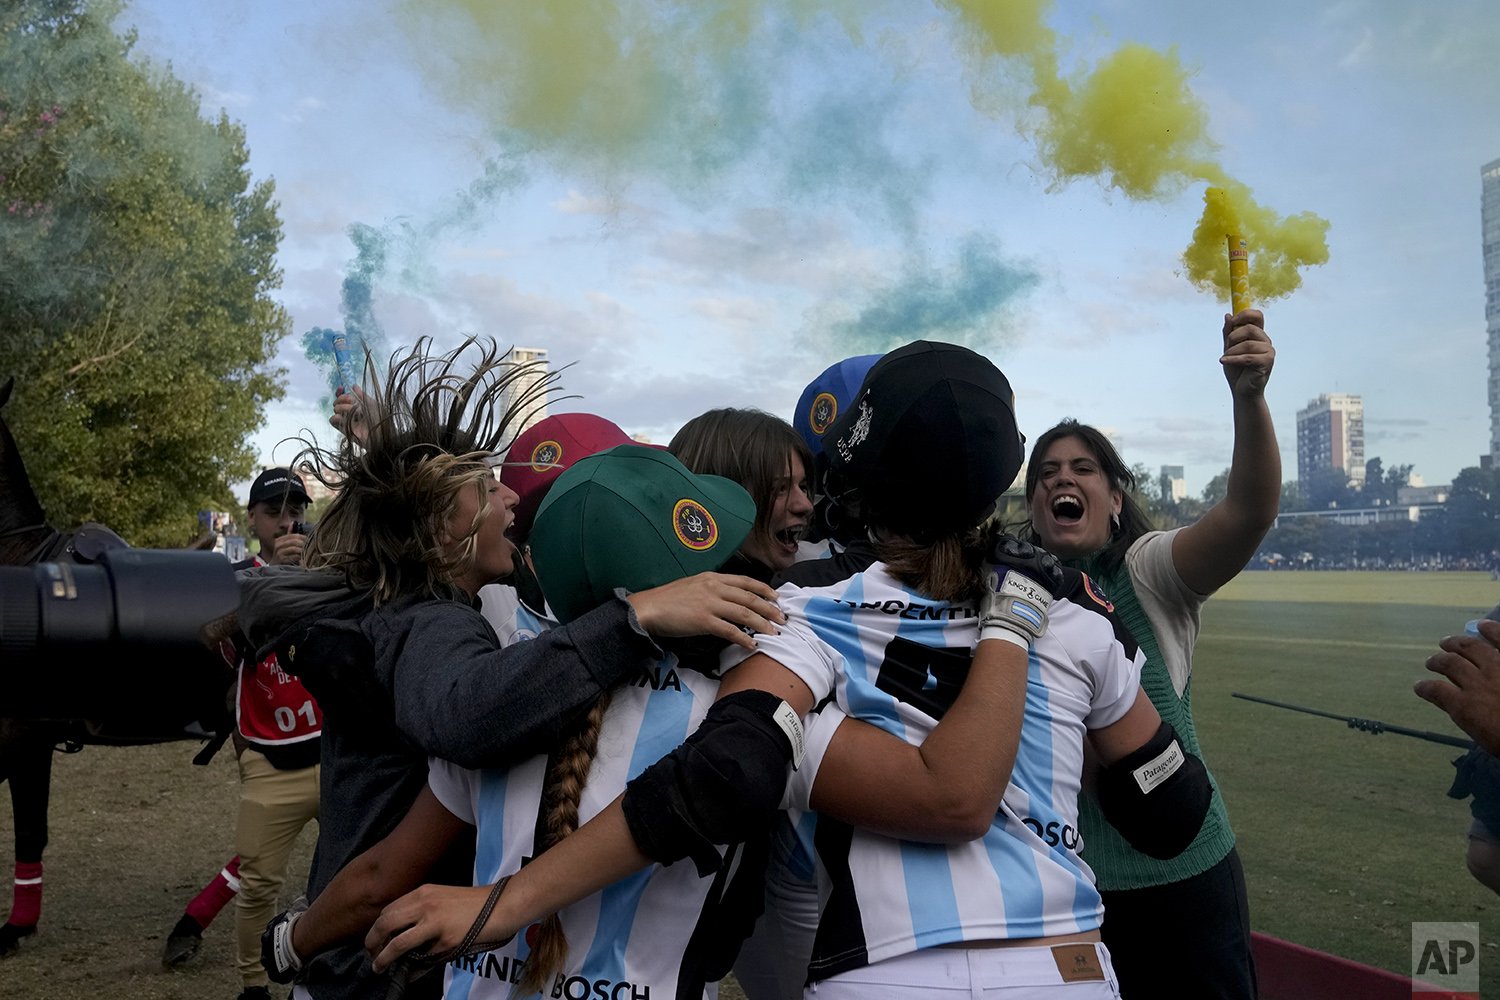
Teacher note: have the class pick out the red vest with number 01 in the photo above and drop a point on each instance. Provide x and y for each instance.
(272, 706)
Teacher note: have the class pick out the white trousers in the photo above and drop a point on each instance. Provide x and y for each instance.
(1062, 972)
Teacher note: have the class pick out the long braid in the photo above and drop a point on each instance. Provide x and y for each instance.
(559, 807)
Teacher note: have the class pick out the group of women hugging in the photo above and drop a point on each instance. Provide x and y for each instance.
(608, 720)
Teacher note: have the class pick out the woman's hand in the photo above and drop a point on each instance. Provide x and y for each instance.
(349, 411)
(433, 919)
(1248, 355)
(709, 604)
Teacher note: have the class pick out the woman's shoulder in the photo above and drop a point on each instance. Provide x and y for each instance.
(1154, 577)
(408, 615)
(1150, 556)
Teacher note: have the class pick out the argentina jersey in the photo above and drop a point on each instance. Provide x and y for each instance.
(635, 939)
(897, 660)
(512, 620)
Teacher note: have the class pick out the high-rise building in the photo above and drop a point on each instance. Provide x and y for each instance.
(1173, 483)
(1331, 435)
(1489, 213)
(536, 357)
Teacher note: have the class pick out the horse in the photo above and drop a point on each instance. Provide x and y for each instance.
(27, 745)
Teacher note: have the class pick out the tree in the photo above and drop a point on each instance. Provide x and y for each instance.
(1148, 494)
(136, 265)
(1291, 497)
(1372, 492)
(1294, 536)
(1328, 488)
(1473, 512)
(1396, 478)
(1391, 542)
(1217, 488)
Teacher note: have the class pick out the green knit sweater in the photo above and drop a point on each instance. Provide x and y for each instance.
(1116, 864)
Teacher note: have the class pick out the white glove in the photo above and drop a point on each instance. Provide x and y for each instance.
(1013, 607)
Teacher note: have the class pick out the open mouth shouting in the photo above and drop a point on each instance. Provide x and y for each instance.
(787, 538)
(1067, 508)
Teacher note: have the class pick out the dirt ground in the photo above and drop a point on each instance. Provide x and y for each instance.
(135, 832)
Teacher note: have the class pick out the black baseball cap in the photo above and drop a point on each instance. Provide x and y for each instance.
(929, 441)
(280, 485)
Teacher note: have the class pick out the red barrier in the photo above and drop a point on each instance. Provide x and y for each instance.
(1287, 971)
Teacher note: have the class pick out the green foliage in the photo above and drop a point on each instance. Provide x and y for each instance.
(1216, 489)
(1372, 492)
(1154, 494)
(1464, 531)
(1328, 488)
(1474, 510)
(136, 265)
(1291, 496)
(1381, 484)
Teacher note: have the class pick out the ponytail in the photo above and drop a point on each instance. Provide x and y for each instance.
(560, 798)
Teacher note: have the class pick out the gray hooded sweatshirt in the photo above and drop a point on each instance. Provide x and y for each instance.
(418, 677)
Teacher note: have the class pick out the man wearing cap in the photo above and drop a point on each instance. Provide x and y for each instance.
(276, 735)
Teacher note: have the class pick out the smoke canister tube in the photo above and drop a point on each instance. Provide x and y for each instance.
(1239, 273)
(1472, 628)
(343, 362)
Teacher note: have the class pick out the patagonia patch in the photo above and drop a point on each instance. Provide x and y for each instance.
(791, 725)
(1158, 768)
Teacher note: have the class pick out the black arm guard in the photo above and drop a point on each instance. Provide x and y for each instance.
(1157, 795)
(1032, 560)
(723, 785)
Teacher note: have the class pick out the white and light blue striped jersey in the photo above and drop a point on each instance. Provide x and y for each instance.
(639, 938)
(896, 659)
(512, 620)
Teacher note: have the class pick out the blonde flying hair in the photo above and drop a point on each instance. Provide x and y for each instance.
(429, 431)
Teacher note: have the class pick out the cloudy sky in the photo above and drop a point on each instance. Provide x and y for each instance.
(705, 204)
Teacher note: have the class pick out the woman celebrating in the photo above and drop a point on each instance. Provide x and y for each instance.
(895, 646)
(764, 455)
(1079, 492)
(630, 517)
(383, 630)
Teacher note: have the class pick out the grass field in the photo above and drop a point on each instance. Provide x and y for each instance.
(1347, 837)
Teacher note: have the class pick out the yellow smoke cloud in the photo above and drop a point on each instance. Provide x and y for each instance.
(1133, 123)
(619, 84)
(1279, 247)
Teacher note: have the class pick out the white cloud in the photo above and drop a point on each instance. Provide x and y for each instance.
(797, 250)
(213, 97)
(577, 203)
(739, 314)
(1361, 51)
(301, 110)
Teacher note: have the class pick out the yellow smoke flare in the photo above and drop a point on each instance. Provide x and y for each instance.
(1239, 272)
(1219, 211)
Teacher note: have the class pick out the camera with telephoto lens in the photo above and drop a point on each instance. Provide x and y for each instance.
(120, 639)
